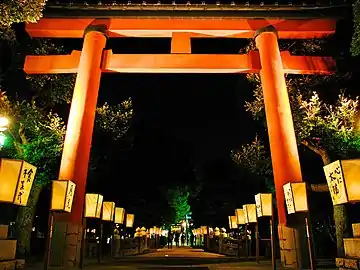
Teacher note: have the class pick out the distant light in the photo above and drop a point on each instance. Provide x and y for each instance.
(33, 229)
(4, 122)
(166, 255)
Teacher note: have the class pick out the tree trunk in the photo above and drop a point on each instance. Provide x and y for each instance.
(342, 228)
(24, 221)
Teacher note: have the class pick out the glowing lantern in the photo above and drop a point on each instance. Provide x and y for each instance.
(152, 230)
(203, 230)
(108, 211)
(16, 179)
(295, 197)
(343, 180)
(263, 204)
(240, 217)
(130, 220)
(62, 195)
(250, 213)
(119, 215)
(157, 231)
(233, 222)
(93, 204)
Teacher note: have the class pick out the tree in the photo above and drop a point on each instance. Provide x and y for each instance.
(37, 132)
(178, 198)
(14, 11)
(326, 128)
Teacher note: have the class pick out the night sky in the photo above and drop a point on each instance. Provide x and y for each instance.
(183, 129)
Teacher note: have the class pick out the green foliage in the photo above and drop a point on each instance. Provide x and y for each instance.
(115, 119)
(17, 11)
(355, 44)
(178, 198)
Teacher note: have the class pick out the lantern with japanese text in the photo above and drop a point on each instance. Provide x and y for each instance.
(16, 179)
(296, 197)
(250, 213)
(93, 205)
(108, 211)
(263, 203)
(240, 217)
(119, 215)
(343, 180)
(62, 195)
(130, 220)
(232, 222)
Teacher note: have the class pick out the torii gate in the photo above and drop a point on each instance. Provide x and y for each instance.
(93, 60)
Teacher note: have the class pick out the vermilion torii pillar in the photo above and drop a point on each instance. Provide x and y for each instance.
(92, 60)
(76, 151)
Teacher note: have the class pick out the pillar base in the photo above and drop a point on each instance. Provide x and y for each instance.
(65, 245)
(293, 245)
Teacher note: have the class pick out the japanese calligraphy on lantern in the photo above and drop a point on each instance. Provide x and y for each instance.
(289, 198)
(26, 179)
(336, 183)
(62, 195)
(69, 196)
(263, 203)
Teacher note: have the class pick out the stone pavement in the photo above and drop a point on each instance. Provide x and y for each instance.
(177, 259)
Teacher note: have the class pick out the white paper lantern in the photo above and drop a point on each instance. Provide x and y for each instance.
(263, 203)
(16, 179)
(343, 178)
(250, 213)
(108, 211)
(240, 217)
(130, 220)
(62, 195)
(93, 205)
(119, 215)
(296, 197)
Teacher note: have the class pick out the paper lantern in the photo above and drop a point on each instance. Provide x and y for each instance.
(250, 213)
(62, 195)
(203, 230)
(93, 205)
(343, 178)
(295, 197)
(130, 220)
(263, 203)
(152, 230)
(233, 222)
(240, 217)
(157, 231)
(108, 211)
(16, 179)
(119, 215)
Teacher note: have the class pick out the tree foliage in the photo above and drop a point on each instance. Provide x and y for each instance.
(178, 200)
(355, 44)
(17, 11)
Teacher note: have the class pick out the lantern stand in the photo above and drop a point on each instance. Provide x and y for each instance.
(49, 240)
(310, 241)
(83, 239)
(257, 242)
(272, 238)
(100, 241)
(246, 241)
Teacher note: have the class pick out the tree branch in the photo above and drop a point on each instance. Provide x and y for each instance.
(22, 134)
(318, 150)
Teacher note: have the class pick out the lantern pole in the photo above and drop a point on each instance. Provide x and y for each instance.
(257, 242)
(83, 239)
(49, 240)
(246, 242)
(100, 241)
(272, 237)
(310, 242)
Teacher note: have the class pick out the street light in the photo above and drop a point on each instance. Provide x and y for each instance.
(4, 122)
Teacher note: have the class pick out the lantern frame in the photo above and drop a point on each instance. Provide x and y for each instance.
(240, 216)
(108, 211)
(16, 180)
(296, 197)
(250, 213)
(130, 218)
(233, 222)
(342, 177)
(119, 215)
(96, 213)
(64, 190)
(264, 204)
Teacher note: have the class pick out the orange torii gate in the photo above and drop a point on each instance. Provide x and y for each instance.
(93, 60)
